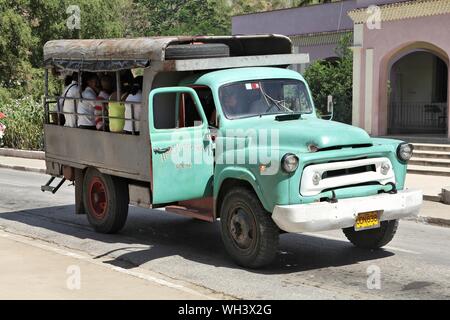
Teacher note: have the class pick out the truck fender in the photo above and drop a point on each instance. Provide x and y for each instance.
(238, 174)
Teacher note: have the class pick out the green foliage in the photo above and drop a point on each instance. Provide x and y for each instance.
(15, 43)
(333, 78)
(250, 6)
(181, 17)
(99, 19)
(24, 124)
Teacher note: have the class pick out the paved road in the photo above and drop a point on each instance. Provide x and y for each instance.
(415, 265)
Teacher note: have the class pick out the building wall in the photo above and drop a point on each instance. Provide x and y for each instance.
(315, 21)
(329, 17)
(375, 52)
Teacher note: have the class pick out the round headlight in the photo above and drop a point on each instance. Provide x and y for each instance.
(289, 162)
(405, 151)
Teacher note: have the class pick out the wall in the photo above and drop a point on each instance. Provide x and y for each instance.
(379, 47)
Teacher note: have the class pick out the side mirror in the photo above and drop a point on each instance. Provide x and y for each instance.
(330, 104)
(330, 107)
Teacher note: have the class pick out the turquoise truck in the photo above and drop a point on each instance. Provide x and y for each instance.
(226, 132)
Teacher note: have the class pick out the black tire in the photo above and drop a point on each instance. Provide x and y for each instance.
(242, 211)
(110, 212)
(372, 238)
(197, 51)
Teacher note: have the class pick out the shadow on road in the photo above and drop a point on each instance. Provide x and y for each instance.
(164, 234)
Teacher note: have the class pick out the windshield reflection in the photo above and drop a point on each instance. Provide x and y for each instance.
(257, 98)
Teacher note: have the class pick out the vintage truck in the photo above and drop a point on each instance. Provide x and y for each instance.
(229, 132)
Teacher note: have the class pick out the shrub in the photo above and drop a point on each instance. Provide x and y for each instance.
(24, 124)
(333, 78)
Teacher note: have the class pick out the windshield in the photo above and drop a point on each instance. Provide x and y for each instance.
(261, 97)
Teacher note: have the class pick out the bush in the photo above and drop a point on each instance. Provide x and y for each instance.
(24, 124)
(333, 78)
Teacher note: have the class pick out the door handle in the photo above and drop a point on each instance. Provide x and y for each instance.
(162, 150)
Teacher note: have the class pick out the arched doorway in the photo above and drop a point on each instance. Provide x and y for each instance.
(418, 93)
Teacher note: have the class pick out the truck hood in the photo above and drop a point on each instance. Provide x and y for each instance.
(303, 132)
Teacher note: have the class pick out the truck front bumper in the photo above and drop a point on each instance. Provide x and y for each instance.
(321, 216)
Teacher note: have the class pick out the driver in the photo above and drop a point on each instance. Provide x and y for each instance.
(230, 101)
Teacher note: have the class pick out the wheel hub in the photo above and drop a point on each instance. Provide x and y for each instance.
(241, 229)
(97, 198)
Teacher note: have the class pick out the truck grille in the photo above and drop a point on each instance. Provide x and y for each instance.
(339, 174)
(347, 171)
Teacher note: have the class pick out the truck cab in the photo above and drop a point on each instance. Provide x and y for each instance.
(237, 139)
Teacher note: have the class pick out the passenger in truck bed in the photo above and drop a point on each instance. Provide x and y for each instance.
(68, 104)
(87, 107)
(101, 109)
(133, 101)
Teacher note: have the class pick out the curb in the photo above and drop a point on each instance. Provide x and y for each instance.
(432, 198)
(22, 168)
(27, 154)
(430, 220)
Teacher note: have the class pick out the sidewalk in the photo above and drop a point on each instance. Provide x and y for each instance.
(433, 211)
(431, 185)
(23, 164)
(32, 270)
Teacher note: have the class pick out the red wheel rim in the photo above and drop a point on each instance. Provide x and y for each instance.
(98, 198)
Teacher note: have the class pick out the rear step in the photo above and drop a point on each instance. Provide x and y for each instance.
(48, 187)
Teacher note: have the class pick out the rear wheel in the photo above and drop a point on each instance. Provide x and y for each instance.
(106, 201)
(248, 232)
(372, 238)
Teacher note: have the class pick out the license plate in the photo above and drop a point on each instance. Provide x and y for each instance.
(367, 220)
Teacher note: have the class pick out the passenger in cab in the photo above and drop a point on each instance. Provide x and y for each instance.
(133, 106)
(87, 107)
(71, 92)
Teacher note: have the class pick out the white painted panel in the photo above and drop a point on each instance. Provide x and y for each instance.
(368, 91)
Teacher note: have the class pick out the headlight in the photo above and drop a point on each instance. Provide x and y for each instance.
(405, 151)
(289, 162)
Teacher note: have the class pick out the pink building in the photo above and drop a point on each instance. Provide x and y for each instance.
(401, 55)
(400, 68)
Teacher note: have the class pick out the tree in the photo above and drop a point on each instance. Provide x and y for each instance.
(183, 17)
(333, 78)
(15, 42)
(98, 19)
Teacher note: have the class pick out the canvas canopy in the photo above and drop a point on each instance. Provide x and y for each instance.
(118, 54)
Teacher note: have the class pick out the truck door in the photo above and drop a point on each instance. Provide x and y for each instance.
(182, 155)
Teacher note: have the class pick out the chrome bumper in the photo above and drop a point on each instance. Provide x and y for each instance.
(321, 216)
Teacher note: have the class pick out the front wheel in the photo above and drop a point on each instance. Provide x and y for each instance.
(372, 238)
(106, 201)
(248, 232)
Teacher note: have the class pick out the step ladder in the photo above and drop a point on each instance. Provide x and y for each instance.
(48, 187)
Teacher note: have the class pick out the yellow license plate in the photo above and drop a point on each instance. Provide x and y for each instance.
(367, 220)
